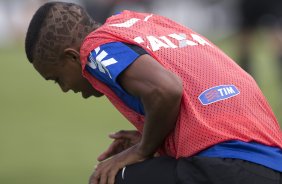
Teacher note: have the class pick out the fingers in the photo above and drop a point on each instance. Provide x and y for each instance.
(106, 171)
(123, 140)
(112, 177)
(113, 149)
(108, 178)
(103, 179)
(103, 174)
(94, 178)
(125, 134)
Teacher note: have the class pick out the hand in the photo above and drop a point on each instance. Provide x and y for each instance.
(122, 140)
(105, 172)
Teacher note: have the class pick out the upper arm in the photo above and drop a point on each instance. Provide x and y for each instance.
(146, 75)
(132, 74)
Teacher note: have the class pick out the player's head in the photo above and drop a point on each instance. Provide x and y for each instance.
(53, 41)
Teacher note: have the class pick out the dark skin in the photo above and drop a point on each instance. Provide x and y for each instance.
(159, 90)
(67, 74)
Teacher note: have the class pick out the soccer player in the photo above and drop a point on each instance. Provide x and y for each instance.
(200, 118)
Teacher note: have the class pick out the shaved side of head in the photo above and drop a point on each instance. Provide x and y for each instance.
(54, 27)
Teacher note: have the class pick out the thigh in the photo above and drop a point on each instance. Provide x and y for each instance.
(203, 170)
(159, 170)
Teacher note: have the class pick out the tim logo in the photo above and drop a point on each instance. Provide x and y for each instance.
(218, 93)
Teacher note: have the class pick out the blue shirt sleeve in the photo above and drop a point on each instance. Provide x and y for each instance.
(111, 59)
(108, 61)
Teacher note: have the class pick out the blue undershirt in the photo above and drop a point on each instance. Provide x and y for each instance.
(108, 61)
(122, 56)
(253, 152)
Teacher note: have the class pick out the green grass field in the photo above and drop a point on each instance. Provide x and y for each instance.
(48, 137)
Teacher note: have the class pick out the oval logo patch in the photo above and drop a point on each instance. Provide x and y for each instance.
(218, 93)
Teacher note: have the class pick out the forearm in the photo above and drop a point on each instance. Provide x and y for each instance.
(160, 92)
(161, 109)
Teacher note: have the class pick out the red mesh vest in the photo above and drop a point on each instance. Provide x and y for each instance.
(201, 65)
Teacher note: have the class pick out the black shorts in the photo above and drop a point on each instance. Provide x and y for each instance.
(197, 170)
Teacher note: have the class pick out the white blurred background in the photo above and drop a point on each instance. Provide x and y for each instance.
(218, 18)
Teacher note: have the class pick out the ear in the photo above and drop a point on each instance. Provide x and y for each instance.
(71, 54)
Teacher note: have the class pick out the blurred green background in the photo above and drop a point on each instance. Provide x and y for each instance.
(47, 136)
